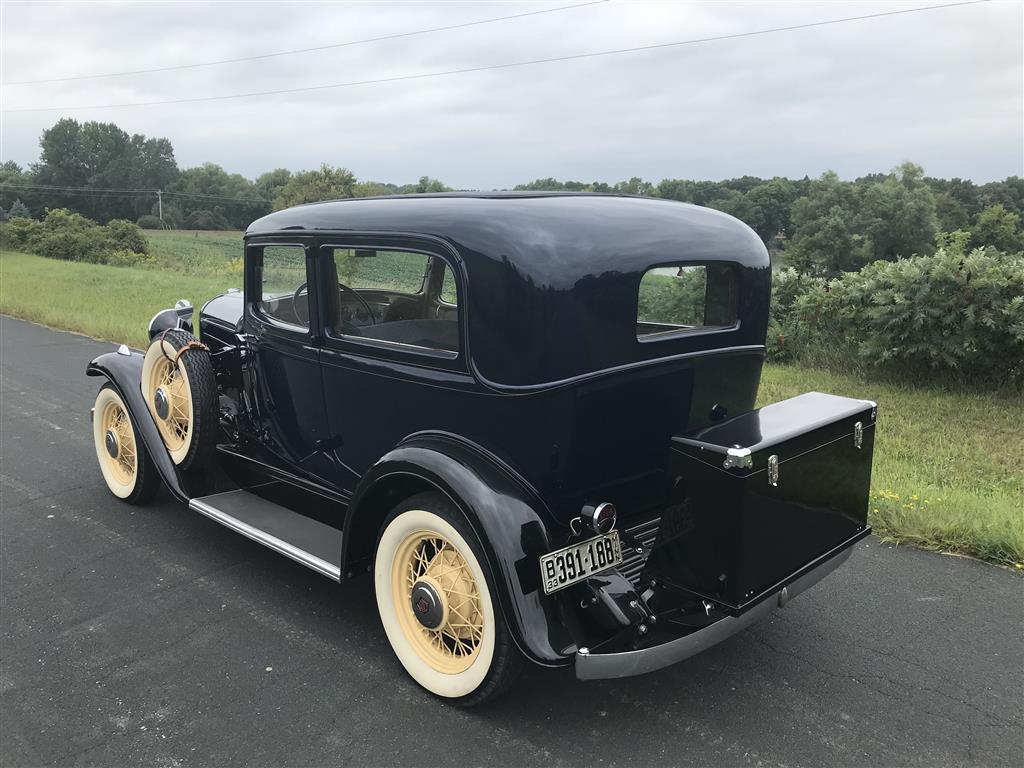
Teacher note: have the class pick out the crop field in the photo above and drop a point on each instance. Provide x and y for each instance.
(196, 253)
(949, 465)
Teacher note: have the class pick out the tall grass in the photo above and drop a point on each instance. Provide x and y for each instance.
(113, 303)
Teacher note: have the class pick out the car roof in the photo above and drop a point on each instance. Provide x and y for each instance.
(553, 277)
(512, 222)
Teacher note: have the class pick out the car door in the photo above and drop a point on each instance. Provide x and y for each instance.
(393, 354)
(282, 331)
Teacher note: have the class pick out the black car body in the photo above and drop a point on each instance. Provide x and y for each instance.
(524, 380)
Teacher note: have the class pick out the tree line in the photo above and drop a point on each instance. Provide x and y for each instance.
(822, 226)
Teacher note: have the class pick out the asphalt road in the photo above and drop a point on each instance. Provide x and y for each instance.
(152, 636)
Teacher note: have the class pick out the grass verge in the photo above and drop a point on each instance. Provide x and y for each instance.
(949, 466)
(114, 303)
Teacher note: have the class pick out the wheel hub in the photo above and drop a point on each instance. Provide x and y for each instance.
(110, 441)
(162, 403)
(427, 605)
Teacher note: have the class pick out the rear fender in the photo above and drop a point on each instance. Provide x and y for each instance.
(503, 514)
(123, 369)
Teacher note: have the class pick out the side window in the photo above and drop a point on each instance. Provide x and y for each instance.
(395, 297)
(685, 297)
(284, 296)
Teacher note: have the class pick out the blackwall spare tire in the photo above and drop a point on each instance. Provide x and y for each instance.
(181, 391)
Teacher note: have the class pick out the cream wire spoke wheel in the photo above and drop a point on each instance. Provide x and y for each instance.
(124, 463)
(119, 452)
(445, 621)
(170, 399)
(180, 390)
(435, 603)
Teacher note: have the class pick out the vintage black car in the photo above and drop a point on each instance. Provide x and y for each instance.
(529, 416)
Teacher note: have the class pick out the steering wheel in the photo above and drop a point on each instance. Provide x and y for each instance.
(303, 316)
(369, 309)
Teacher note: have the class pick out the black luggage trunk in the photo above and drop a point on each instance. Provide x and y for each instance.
(765, 495)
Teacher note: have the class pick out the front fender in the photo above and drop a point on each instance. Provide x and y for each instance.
(503, 514)
(123, 369)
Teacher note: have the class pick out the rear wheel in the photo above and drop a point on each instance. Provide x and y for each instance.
(436, 604)
(126, 466)
(180, 389)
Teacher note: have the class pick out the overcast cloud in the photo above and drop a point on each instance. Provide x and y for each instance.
(942, 88)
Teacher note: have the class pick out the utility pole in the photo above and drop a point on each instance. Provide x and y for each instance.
(160, 204)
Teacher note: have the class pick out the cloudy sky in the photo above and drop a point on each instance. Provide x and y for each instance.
(942, 88)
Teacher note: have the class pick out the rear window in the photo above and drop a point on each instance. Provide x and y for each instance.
(681, 298)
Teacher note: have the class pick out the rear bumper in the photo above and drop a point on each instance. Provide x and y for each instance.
(600, 666)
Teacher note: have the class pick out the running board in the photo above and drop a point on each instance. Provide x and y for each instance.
(301, 538)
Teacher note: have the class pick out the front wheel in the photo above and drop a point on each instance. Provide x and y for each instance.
(436, 604)
(126, 466)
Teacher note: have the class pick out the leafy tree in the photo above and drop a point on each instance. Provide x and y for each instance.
(949, 212)
(18, 209)
(896, 215)
(426, 184)
(207, 188)
(101, 155)
(374, 189)
(267, 184)
(772, 202)
(999, 228)
(824, 241)
(635, 186)
(326, 183)
(12, 178)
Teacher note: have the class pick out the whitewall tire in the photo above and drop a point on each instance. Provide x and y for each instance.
(126, 466)
(436, 604)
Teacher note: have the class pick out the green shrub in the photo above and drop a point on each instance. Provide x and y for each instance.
(17, 233)
(150, 222)
(940, 317)
(786, 334)
(70, 237)
(125, 236)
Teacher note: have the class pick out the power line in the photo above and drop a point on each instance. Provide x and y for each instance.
(307, 50)
(466, 70)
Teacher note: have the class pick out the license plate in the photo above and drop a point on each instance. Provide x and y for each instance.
(567, 566)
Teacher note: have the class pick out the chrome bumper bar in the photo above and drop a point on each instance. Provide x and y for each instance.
(601, 666)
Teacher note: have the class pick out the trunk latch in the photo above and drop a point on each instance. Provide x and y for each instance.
(858, 435)
(773, 470)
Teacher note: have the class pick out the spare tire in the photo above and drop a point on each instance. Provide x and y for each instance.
(180, 389)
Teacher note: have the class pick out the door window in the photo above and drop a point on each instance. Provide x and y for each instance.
(395, 297)
(284, 294)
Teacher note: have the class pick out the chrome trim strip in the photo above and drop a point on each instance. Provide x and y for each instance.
(322, 567)
(602, 666)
